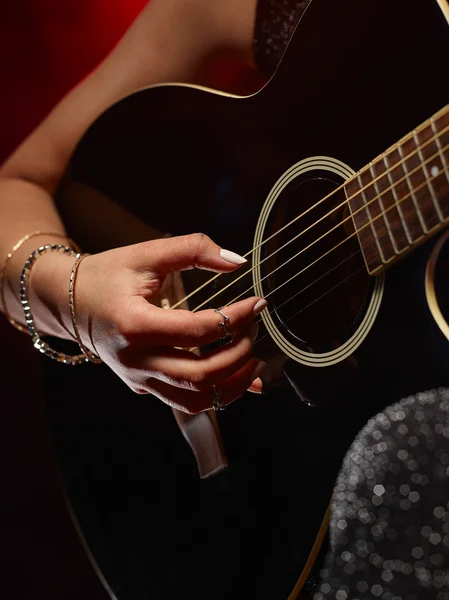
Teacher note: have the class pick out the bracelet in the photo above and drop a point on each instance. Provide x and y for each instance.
(38, 343)
(14, 249)
(87, 353)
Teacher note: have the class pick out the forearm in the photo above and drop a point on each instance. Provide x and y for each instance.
(27, 208)
(170, 41)
(32, 174)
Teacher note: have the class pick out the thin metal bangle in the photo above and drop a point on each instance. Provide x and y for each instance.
(87, 353)
(14, 249)
(38, 343)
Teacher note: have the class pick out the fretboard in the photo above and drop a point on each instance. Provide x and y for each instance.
(402, 197)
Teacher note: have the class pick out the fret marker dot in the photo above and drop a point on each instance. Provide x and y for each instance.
(434, 171)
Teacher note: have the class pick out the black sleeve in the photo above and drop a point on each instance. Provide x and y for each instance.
(275, 23)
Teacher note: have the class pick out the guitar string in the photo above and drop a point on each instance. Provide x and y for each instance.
(360, 172)
(330, 270)
(327, 232)
(341, 243)
(356, 231)
(310, 303)
(406, 138)
(313, 282)
(347, 278)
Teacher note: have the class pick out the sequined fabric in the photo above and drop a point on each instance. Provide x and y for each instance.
(275, 23)
(390, 523)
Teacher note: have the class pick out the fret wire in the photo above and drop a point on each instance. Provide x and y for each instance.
(382, 207)
(404, 179)
(370, 219)
(399, 206)
(355, 233)
(412, 193)
(426, 174)
(443, 112)
(438, 143)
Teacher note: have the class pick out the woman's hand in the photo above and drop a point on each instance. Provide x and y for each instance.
(146, 345)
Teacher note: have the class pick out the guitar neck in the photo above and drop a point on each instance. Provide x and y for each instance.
(402, 197)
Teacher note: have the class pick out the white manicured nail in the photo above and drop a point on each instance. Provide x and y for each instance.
(260, 306)
(256, 387)
(232, 257)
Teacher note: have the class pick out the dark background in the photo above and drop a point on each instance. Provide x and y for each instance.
(46, 47)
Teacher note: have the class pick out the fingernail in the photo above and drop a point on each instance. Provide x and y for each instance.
(232, 257)
(260, 306)
(254, 331)
(256, 387)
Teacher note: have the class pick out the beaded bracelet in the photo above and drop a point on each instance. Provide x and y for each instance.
(14, 249)
(38, 343)
(87, 353)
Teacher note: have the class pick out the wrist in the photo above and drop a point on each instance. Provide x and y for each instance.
(12, 268)
(49, 293)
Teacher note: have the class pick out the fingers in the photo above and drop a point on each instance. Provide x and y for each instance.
(256, 386)
(182, 328)
(195, 402)
(185, 252)
(184, 369)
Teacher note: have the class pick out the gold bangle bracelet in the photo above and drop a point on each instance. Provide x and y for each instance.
(38, 343)
(10, 254)
(87, 353)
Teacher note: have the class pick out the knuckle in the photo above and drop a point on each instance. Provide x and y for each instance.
(139, 391)
(200, 242)
(137, 387)
(194, 328)
(183, 382)
(127, 321)
(123, 325)
(201, 379)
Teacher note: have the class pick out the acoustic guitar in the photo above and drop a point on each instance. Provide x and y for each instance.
(334, 181)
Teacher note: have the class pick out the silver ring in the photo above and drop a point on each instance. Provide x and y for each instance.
(225, 334)
(217, 401)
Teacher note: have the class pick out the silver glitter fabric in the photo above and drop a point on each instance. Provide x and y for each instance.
(390, 524)
(275, 23)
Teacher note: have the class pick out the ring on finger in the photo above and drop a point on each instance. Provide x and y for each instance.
(225, 333)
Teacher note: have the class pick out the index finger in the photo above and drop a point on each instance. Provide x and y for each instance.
(185, 329)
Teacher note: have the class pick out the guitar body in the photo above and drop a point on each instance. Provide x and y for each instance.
(357, 76)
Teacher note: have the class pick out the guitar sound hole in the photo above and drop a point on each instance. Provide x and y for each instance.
(317, 284)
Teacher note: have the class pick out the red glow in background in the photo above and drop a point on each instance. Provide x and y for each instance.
(46, 47)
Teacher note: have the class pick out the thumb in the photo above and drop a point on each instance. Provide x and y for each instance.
(185, 252)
